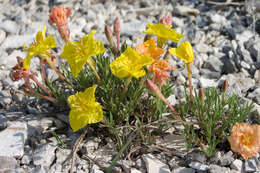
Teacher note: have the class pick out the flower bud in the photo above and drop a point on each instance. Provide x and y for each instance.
(166, 20)
(117, 26)
(225, 85)
(109, 35)
(201, 93)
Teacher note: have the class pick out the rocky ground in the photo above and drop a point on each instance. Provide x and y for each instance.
(226, 44)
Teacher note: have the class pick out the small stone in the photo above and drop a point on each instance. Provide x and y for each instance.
(44, 155)
(214, 64)
(3, 122)
(133, 170)
(90, 146)
(2, 36)
(17, 41)
(199, 166)
(15, 136)
(185, 10)
(207, 83)
(153, 165)
(9, 26)
(251, 165)
(208, 74)
(237, 165)
(62, 155)
(11, 60)
(226, 159)
(26, 159)
(96, 171)
(172, 100)
(217, 18)
(218, 169)
(183, 170)
(255, 95)
(7, 163)
(203, 48)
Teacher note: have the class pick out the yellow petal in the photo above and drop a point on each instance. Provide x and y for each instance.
(40, 36)
(163, 32)
(49, 42)
(130, 64)
(183, 51)
(27, 60)
(84, 109)
(78, 52)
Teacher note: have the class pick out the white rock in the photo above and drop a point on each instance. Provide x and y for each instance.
(216, 18)
(237, 165)
(14, 137)
(17, 41)
(172, 100)
(207, 83)
(153, 165)
(7, 164)
(203, 48)
(10, 61)
(183, 170)
(96, 171)
(2, 36)
(185, 10)
(9, 26)
(44, 155)
(199, 166)
(133, 170)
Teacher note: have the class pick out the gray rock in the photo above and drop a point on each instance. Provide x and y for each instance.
(5, 98)
(207, 83)
(199, 166)
(200, 157)
(44, 155)
(183, 170)
(218, 169)
(7, 164)
(208, 74)
(229, 64)
(90, 146)
(251, 165)
(38, 124)
(62, 155)
(226, 159)
(172, 100)
(245, 65)
(26, 159)
(3, 122)
(254, 51)
(96, 171)
(9, 26)
(10, 61)
(133, 170)
(15, 136)
(203, 48)
(237, 165)
(17, 41)
(255, 95)
(244, 54)
(185, 10)
(133, 28)
(214, 64)
(244, 36)
(217, 18)
(2, 36)
(153, 165)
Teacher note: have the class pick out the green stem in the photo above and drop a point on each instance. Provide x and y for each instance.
(126, 87)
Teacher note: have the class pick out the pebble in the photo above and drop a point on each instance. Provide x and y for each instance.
(8, 164)
(153, 165)
(2, 36)
(9, 26)
(3, 122)
(214, 64)
(207, 83)
(17, 41)
(15, 136)
(218, 169)
(251, 165)
(226, 159)
(185, 10)
(237, 165)
(199, 166)
(183, 170)
(44, 155)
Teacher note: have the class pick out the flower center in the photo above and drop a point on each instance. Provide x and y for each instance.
(246, 139)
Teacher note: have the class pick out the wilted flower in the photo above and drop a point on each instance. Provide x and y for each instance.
(245, 139)
(163, 33)
(59, 16)
(78, 53)
(166, 20)
(84, 109)
(149, 48)
(41, 47)
(130, 64)
(160, 71)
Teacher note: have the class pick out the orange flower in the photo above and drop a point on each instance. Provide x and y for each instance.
(149, 48)
(245, 139)
(160, 71)
(59, 16)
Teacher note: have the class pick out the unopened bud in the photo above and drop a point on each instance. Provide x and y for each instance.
(201, 93)
(117, 32)
(109, 36)
(166, 20)
(225, 85)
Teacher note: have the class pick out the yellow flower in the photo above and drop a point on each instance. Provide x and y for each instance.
(149, 48)
(130, 64)
(78, 53)
(41, 47)
(163, 32)
(184, 52)
(84, 109)
(245, 139)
